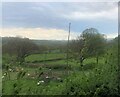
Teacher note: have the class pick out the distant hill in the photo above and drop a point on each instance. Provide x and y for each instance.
(40, 42)
(45, 42)
(50, 42)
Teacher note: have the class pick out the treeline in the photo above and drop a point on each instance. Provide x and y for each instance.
(90, 43)
(101, 81)
(44, 45)
(20, 47)
(23, 47)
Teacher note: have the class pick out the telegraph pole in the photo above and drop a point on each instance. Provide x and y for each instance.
(67, 54)
(68, 44)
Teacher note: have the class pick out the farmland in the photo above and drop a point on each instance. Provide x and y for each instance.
(57, 72)
(54, 69)
(45, 57)
(68, 48)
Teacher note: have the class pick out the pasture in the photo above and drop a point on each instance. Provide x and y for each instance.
(53, 73)
(60, 49)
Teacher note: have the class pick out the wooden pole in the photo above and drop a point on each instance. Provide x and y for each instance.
(68, 45)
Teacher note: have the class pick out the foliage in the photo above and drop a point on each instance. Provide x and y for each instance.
(89, 44)
(21, 47)
(90, 79)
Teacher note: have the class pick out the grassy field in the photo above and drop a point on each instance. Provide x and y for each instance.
(56, 76)
(43, 57)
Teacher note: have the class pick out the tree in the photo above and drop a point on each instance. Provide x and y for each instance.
(89, 44)
(21, 47)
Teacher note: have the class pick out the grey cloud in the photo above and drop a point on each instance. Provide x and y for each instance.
(49, 15)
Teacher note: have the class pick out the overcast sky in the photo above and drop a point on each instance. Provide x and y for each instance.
(50, 20)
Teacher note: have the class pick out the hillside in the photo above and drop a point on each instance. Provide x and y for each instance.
(39, 42)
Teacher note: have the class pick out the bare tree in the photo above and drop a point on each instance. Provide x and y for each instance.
(21, 47)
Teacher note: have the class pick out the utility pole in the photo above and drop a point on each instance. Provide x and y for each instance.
(67, 54)
(68, 45)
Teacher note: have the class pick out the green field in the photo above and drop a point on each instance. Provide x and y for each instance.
(52, 73)
(58, 70)
(43, 57)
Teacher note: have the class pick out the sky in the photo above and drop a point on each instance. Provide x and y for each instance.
(49, 20)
